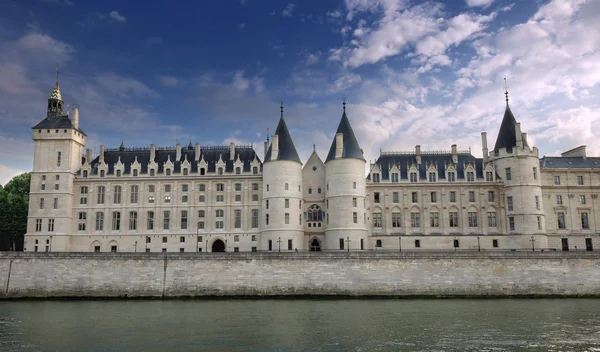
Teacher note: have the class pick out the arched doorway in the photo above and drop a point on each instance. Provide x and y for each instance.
(315, 246)
(218, 246)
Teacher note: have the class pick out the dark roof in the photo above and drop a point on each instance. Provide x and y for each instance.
(351, 147)
(507, 136)
(404, 160)
(287, 150)
(56, 122)
(211, 157)
(569, 162)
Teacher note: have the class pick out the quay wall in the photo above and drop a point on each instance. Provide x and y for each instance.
(405, 274)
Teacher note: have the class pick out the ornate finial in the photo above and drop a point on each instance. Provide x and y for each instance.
(281, 107)
(267, 134)
(344, 104)
(506, 90)
(57, 74)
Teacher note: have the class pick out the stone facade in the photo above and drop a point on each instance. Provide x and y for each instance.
(224, 198)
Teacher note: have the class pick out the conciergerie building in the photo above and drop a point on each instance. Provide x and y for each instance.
(199, 198)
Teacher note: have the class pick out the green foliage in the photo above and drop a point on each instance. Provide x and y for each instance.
(14, 204)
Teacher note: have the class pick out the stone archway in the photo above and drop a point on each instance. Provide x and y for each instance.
(315, 245)
(218, 246)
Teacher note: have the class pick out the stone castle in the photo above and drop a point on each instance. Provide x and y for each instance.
(225, 199)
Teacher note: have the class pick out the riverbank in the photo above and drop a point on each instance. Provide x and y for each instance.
(333, 274)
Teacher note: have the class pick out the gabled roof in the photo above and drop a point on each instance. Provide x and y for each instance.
(440, 160)
(56, 122)
(351, 147)
(287, 150)
(507, 136)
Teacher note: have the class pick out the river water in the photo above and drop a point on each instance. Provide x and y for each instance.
(302, 325)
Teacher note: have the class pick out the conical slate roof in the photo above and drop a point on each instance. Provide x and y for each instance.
(351, 147)
(55, 94)
(507, 137)
(287, 150)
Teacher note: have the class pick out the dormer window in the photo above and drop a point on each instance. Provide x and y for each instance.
(185, 172)
(470, 176)
(451, 177)
(238, 170)
(202, 171)
(432, 177)
(376, 178)
(220, 171)
(489, 176)
(168, 172)
(395, 177)
(413, 177)
(101, 173)
(151, 172)
(85, 173)
(135, 172)
(118, 173)
(255, 170)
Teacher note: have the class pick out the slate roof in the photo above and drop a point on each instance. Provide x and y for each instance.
(549, 162)
(211, 157)
(287, 150)
(351, 147)
(55, 122)
(404, 160)
(507, 136)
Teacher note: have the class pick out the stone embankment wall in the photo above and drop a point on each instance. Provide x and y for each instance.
(38, 275)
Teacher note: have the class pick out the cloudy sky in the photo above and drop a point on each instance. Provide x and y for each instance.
(413, 72)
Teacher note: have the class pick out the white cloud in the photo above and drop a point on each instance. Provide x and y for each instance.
(7, 174)
(241, 25)
(479, 3)
(116, 16)
(169, 81)
(288, 11)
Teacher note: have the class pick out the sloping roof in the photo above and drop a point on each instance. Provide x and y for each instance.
(211, 157)
(404, 160)
(351, 147)
(287, 150)
(549, 162)
(56, 122)
(507, 136)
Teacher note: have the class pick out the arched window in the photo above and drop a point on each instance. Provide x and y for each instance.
(168, 172)
(319, 190)
(315, 213)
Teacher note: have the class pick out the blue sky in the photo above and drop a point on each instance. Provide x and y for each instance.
(413, 72)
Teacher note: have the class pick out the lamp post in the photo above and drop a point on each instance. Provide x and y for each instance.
(197, 235)
(279, 243)
(400, 243)
(478, 245)
(50, 245)
(532, 244)
(225, 245)
(146, 239)
(454, 243)
(348, 243)
(135, 247)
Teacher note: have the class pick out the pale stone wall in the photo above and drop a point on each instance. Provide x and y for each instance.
(355, 274)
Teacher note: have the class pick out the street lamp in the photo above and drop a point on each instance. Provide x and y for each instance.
(348, 243)
(478, 246)
(400, 243)
(225, 246)
(279, 242)
(146, 249)
(197, 235)
(50, 245)
(532, 244)
(135, 247)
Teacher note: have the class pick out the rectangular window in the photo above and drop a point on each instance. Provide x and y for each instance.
(472, 219)
(201, 187)
(55, 204)
(166, 220)
(167, 188)
(456, 244)
(43, 186)
(58, 158)
(451, 177)
(489, 176)
(580, 180)
(559, 199)
(184, 219)
(220, 198)
(415, 220)
(509, 203)
(376, 178)
(492, 219)
(167, 199)
(99, 221)
(490, 196)
(434, 219)
(537, 202)
(355, 217)
(38, 225)
(151, 188)
(150, 220)
(396, 220)
(433, 197)
(184, 188)
(582, 199)
(220, 222)
(101, 190)
(395, 197)
(201, 225)
(255, 186)
(50, 225)
(56, 187)
(561, 220)
(287, 218)
(557, 180)
(116, 221)
(83, 200)
(376, 197)
(470, 176)
(395, 177)
(290, 246)
(354, 202)
(417, 243)
(151, 199)
(432, 177)
(452, 197)
(341, 243)
(238, 219)
(415, 197)
(220, 187)
(413, 177)
(41, 203)
(539, 222)
(495, 243)
(133, 220)
(535, 173)
(511, 223)
(376, 219)
(266, 219)
(201, 199)
(164, 239)
(184, 199)
(117, 195)
(508, 174)
(453, 218)
(134, 194)
(471, 196)
(584, 221)
(287, 203)
(254, 218)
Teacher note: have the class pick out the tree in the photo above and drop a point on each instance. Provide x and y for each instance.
(14, 205)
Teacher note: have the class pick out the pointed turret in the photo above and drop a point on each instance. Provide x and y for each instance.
(345, 144)
(282, 147)
(55, 102)
(507, 136)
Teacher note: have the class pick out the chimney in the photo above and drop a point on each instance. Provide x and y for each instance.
(484, 146)
(519, 135)
(339, 145)
(454, 154)
(101, 153)
(275, 147)
(88, 155)
(152, 152)
(418, 153)
(525, 140)
(178, 152)
(75, 117)
(231, 151)
(197, 152)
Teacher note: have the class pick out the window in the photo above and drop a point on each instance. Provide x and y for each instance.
(378, 243)
(134, 194)
(38, 225)
(185, 172)
(101, 191)
(353, 185)
(56, 187)
(220, 198)
(581, 199)
(287, 218)
(148, 239)
(561, 220)
(415, 219)
(471, 196)
(580, 180)
(167, 188)
(151, 188)
(219, 215)
(184, 199)
(116, 221)
(238, 219)
(341, 243)
(41, 203)
(396, 220)
(58, 158)
(354, 202)
(470, 176)
(434, 219)
(557, 180)
(492, 219)
(490, 196)
(255, 197)
(319, 190)
(287, 186)
(495, 243)
(433, 197)
(184, 219)
(99, 221)
(376, 178)
(415, 197)
(535, 173)
(267, 204)
(220, 187)
(150, 220)
(413, 177)
(452, 197)
(81, 224)
(117, 195)
(50, 225)
(55, 204)
(184, 188)
(376, 219)
(309, 190)
(101, 173)
(539, 222)
(290, 245)
(417, 243)
(133, 220)
(164, 239)
(254, 218)
(200, 225)
(456, 244)
(152, 172)
(537, 202)
(255, 171)
(453, 218)
(511, 223)
(508, 174)
(166, 220)
(85, 173)
(395, 177)
(167, 199)
(43, 186)
(135, 172)
(584, 221)
(432, 177)
(287, 203)
(201, 187)
(509, 202)
(315, 213)
(220, 171)
(151, 199)
(267, 219)
(472, 219)
(255, 186)
(238, 187)
(201, 199)
(355, 217)
(202, 171)
(168, 172)
(376, 197)
(559, 199)
(489, 176)
(182, 239)
(118, 173)
(451, 177)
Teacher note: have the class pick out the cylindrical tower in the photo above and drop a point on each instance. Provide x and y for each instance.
(346, 194)
(282, 228)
